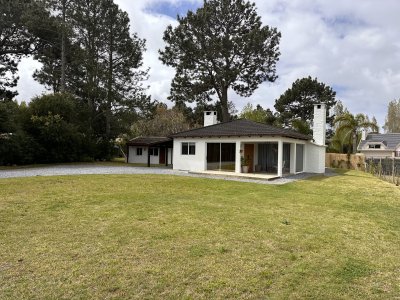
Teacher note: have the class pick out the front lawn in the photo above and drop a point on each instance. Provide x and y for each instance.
(166, 237)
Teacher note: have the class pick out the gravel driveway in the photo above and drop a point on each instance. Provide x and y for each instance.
(83, 169)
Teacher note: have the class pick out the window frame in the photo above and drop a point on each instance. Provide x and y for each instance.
(188, 148)
(374, 146)
(153, 151)
(139, 149)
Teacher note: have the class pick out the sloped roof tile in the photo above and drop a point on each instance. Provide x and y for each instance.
(390, 140)
(241, 127)
(148, 141)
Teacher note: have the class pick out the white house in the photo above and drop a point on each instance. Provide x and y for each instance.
(377, 146)
(266, 149)
(150, 150)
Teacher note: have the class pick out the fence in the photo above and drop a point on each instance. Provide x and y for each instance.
(344, 161)
(385, 168)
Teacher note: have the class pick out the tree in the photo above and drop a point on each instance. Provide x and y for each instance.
(164, 123)
(392, 121)
(60, 55)
(58, 123)
(123, 57)
(258, 114)
(20, 35)
(195, 115)
(9, 111)
(350, 126)
(297, 103)
(103, 63)
(222, 45)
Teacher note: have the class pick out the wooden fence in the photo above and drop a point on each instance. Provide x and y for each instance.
(343, 161)
(387, 169)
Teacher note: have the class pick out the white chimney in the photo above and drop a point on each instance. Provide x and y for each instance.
(210, 118)
(363, 134)
(319, 128)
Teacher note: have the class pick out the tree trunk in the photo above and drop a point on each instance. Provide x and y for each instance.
(110, 82)
(62, 88)
(224, 104)
(354, 142)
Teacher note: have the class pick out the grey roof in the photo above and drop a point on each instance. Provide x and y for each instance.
(148, 141)
(390, 140)
(241, 128)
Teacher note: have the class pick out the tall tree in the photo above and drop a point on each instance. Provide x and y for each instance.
(20, 35)
(58, 46)
(103, 62)
(122, 60)
(297, 103)
(222, 45)
(350, 126)
(392, 121)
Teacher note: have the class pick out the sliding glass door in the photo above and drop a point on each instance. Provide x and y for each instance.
(221, 156)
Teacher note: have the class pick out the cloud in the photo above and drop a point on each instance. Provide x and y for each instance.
(28, 88)
(352, 46)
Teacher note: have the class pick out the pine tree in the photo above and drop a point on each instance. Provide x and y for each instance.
(297, 103)
(102, 62)
(21, 34)
(221, 46)
(392, 121)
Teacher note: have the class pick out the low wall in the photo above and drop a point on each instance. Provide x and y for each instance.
(338, 160)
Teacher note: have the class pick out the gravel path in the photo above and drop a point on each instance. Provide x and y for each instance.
(82, 169)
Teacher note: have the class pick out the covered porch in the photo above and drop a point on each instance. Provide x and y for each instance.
(258, 159)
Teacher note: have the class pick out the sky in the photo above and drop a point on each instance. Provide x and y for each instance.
(352, 46)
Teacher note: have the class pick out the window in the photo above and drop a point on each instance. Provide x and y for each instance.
(139, 151)
(374, 146)
(153, 151)
(188, 149)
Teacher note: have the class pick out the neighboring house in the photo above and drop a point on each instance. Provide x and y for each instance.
(375, 145)
(150, 150)
(266, 149)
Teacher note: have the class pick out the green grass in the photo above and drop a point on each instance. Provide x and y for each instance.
(143, 237)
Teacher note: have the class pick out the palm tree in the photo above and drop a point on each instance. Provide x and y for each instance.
(349, 128)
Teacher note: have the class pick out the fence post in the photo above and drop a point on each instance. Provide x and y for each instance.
(393, 172)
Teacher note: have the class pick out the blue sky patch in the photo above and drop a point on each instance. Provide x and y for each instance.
(344, 22)
(339, 88)
(172, 9)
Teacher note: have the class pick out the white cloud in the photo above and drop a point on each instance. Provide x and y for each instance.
(350, 45)
(28, 88)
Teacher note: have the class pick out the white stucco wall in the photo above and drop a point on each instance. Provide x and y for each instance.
(198, 162)
(314, 158)
(194, 163)
(142, 159)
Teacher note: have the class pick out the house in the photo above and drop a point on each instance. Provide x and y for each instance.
(377, 146)
(226, 147)
(150, 150)
(223, 147)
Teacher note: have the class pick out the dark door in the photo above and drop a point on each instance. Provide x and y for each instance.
(162, 155)
(249, 155)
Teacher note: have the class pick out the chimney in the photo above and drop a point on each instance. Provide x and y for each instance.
(319, 128)
(210, 118)
(363, 134)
